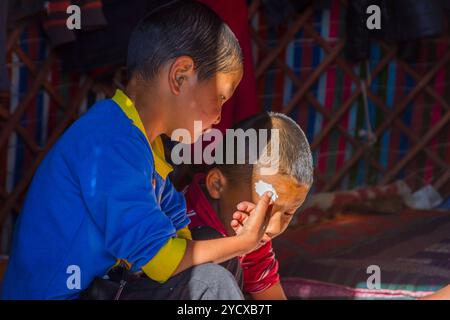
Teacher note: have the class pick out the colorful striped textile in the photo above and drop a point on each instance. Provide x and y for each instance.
(303, 55)
(334, 87)
(275, 90)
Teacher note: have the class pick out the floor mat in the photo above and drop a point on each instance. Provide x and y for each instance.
(411, 248)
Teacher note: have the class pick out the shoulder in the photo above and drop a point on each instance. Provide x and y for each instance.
(104, 124)
(104, 118)
(103, 132)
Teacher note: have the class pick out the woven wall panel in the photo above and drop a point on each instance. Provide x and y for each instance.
(368, 123)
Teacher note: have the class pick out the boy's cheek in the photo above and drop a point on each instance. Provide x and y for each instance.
(274, 226)
(278, 223)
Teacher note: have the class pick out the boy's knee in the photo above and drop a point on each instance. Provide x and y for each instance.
(211, 281)
(212, 271)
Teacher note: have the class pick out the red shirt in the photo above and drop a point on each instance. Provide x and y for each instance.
(260, 268)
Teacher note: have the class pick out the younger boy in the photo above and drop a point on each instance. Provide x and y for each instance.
(211, 199)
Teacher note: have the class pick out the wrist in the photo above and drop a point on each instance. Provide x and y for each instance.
(245, 243)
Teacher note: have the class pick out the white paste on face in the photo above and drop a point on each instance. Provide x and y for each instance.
(261, 187)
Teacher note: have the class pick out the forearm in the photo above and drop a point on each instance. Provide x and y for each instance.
(215, 250)
(223, 249)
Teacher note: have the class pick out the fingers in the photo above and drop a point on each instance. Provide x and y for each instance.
(261, 209)
(235, 224)
(246, 206)
(238, 221)
(240, 216)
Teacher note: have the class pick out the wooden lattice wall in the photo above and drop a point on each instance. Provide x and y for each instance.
(271, 57)
(270, 48)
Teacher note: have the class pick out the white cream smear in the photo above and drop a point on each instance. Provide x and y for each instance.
(261, 187)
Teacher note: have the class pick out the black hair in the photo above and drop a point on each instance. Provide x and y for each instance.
(295, 159)
(182, 28)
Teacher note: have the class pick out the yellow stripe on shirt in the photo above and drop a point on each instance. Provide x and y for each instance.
(162, 167)
(165, 262)
(184, 233)
(161, 267)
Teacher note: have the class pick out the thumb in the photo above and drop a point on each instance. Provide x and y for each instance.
(261, 209)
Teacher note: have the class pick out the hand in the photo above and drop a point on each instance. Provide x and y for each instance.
(253, 228)
(240, 216)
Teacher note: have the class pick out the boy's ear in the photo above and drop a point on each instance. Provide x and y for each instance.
(215, 183)
(181, 70)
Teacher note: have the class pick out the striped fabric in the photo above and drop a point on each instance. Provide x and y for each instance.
(91, 16)
(275, 91)
(334, 87)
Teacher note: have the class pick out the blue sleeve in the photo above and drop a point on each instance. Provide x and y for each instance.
(116, 184)
(174, 205)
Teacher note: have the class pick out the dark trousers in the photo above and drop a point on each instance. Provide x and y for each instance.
(207, 281)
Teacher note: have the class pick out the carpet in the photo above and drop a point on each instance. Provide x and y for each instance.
(411, 248)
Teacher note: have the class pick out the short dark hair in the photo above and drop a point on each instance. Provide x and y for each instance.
(295, 159)
(182, 28)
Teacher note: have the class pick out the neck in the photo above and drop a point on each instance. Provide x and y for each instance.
(149, 109)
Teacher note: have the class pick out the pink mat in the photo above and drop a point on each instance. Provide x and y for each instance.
(312, 289)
